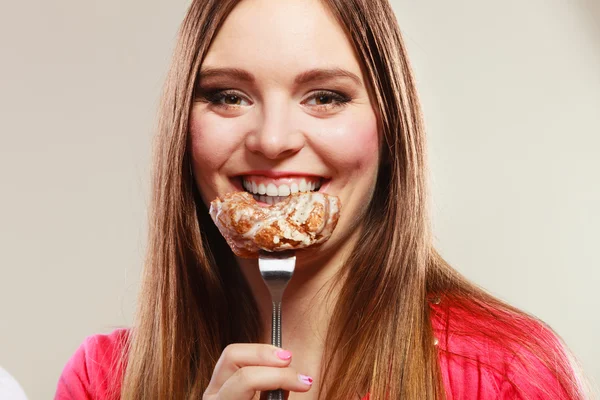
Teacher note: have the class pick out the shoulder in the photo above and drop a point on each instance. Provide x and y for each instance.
(94, 370)
(487, 353)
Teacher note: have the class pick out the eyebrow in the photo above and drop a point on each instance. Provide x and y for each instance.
(321, 74)
(313, 75)
(236, 73)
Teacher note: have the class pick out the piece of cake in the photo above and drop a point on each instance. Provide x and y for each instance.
(300, 221)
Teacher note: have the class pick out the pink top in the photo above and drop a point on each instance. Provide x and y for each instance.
(471, 368)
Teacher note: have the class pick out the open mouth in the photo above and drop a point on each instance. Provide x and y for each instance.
(270, 191)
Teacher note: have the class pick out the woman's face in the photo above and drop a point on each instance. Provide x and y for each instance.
(282, 107)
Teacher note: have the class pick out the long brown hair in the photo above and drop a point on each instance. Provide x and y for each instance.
(194, 300)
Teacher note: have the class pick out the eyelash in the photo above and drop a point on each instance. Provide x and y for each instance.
(215, 97)
(340, 99)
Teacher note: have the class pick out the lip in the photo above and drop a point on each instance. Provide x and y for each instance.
(325, 186)
(280, 174)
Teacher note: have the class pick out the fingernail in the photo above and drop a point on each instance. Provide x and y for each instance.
(305, 379)
(284, 354)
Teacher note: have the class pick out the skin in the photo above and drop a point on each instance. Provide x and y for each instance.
(274, 123)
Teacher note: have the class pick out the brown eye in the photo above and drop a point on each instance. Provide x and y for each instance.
(232, 100)
(327, 99)
(323, 99)
(225, 98)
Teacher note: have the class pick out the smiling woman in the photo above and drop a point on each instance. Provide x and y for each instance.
(275, 99)
(278, 119)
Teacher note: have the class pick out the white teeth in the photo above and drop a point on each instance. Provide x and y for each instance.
(284, 190)
(272, 190)
(269, 199)
(302, 187)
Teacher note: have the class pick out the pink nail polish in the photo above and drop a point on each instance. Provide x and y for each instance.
(305, 379)
(284, 354)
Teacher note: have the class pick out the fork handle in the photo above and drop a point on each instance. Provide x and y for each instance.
(276, 341)
(276, 324)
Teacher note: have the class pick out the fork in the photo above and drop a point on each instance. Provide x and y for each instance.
(276, 269)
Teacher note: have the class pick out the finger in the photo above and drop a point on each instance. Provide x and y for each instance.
(248, 380)
(239, 355)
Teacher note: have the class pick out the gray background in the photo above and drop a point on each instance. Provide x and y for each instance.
(511, 95)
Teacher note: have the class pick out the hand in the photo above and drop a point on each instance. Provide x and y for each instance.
(245, 368)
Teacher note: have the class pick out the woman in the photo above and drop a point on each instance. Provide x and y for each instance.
(318, 93)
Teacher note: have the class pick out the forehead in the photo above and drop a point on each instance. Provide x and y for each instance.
(280, 38)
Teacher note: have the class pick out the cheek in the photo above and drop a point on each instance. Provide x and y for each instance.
(212, 142)
(213, 139)
(352, 144)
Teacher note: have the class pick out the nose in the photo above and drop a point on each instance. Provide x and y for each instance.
(274, 137)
